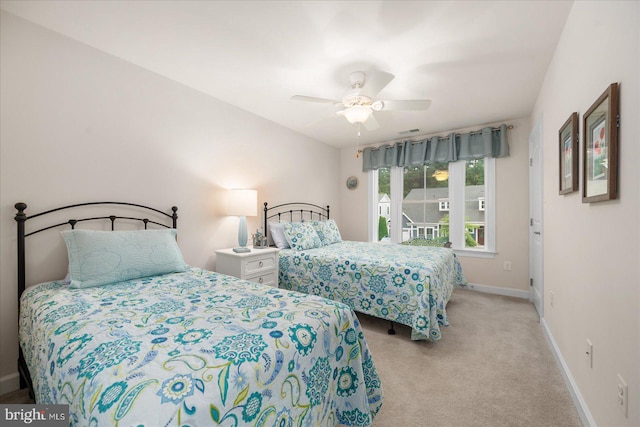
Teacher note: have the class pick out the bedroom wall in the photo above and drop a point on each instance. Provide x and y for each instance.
(81, 125)
(591, 251)
(512, 213)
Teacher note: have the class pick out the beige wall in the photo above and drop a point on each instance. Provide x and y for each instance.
(80, 125)
(592, 251)
(512, 213)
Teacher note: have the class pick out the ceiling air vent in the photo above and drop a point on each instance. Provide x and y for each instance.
(407, 132)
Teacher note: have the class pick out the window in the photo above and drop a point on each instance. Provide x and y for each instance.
(438, 202)
(383, 194)
(426, 201)
(474, 190)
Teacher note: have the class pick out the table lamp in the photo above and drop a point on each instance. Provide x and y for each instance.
(242, 203)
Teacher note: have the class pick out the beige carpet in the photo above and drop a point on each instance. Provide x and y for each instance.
(492, 367)
(18, 396)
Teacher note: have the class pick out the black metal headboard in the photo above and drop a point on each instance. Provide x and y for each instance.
(293, 210)
(21, 218)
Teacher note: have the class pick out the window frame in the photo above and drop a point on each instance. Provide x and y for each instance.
(457, 171)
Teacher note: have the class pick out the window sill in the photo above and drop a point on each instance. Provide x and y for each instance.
(470, 253)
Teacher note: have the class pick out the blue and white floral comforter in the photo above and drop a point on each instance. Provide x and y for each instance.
(410, 285)
(197, 348)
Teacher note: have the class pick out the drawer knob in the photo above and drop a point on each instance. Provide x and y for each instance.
(260, 280)
(260, 263)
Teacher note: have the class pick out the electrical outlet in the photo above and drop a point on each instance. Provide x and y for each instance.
(623, 398)
(589, 353)
(551, 298)
(507, 266)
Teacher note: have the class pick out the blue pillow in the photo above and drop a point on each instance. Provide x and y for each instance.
(301, 235)
(99, 258)
(327, 231)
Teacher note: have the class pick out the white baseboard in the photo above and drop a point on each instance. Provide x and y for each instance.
(499, 291)
(578, 400)
(9, 383)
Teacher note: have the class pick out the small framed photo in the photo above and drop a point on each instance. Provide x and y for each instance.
(568, 136)
(600, 147)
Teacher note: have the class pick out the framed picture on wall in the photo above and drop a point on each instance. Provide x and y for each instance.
(568, 137)
(600, 147)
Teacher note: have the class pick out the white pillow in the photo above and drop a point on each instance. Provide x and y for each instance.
(277, 234)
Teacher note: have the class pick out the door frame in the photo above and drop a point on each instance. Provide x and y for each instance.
(536, 170)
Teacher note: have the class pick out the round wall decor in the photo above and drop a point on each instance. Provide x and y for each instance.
(352, 183)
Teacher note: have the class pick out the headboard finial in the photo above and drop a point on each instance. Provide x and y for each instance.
(174, 209)
(21, 208)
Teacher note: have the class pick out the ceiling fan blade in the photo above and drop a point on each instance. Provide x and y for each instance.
(414, 105)
(314, 99)
(371, 123)
(376, 81)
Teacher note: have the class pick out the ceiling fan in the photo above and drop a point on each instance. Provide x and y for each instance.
(359, 103)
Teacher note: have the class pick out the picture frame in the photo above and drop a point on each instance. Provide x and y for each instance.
(600, 126)
(569, 155)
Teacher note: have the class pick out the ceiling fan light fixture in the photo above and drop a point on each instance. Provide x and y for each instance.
(356, 113)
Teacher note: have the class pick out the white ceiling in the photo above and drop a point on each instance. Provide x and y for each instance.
(478, 61)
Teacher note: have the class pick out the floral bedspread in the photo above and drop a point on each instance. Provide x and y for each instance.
(410, 285)
(197, 348)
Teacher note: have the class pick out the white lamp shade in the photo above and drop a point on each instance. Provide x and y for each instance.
(357, 114)
(241, 202)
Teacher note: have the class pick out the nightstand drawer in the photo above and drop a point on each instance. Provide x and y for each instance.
(268, 278)
(257, 264)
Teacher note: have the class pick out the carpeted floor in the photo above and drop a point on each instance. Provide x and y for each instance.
(493, 367)
(18, 396)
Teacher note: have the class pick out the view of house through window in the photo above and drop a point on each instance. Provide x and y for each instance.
(425, 206)
(426, 203)
(474, 204)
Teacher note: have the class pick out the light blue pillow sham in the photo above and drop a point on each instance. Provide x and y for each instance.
(327, 231)
(301, 235)
(99, 258)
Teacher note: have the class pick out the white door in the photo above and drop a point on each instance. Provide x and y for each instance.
(536, 246)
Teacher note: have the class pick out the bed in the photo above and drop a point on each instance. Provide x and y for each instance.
(409, 285)
(187, 347)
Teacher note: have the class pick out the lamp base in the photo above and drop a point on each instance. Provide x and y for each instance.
(241, 250)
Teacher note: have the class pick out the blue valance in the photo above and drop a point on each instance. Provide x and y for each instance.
(488, 142)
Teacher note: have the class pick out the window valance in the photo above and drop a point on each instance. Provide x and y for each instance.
(488, 142)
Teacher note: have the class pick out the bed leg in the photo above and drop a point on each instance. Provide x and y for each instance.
(391, 330)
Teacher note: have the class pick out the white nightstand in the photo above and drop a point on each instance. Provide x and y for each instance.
(259, 265)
